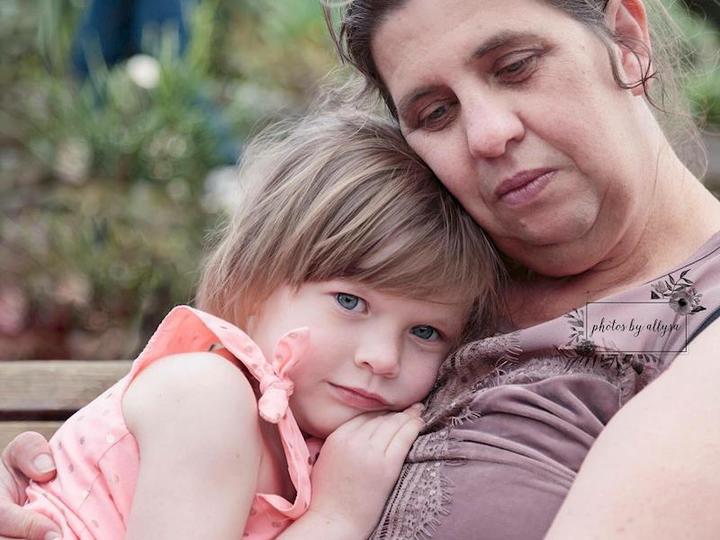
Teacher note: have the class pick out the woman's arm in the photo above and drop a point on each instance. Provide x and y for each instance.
(654, 472)
(26, 458)
(195, 420)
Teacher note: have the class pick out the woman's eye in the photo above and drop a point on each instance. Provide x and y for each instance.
(435, 117)
(350, 301)
(425, 332)
(436, 113)
(518, 70)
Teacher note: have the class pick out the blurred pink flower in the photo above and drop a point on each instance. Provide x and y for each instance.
(14, 308)
(73, 289)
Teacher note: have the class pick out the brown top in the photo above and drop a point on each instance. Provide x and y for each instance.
(501, 450)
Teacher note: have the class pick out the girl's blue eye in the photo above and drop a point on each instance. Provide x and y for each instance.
(427, 333)
(348, 301)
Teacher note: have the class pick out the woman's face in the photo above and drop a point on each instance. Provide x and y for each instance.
(512, 103)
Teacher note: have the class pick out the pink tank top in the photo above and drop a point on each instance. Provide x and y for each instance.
(98, 459)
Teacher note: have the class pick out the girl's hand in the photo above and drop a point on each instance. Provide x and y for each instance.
(358, 467)
(26, 458)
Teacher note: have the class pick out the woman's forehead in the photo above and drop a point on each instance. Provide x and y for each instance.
(424, 36)
(469, 21)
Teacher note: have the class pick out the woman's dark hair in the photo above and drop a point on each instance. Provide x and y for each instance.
(359, 19)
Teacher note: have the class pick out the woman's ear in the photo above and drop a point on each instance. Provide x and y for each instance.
(627, 21)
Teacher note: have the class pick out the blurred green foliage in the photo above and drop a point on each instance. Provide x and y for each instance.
(701, 49)
(103, 185)
(106, 188)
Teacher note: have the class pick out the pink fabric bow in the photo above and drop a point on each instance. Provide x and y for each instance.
(275, 387)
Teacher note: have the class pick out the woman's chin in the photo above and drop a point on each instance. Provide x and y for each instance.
(547, 234)
(563, 248)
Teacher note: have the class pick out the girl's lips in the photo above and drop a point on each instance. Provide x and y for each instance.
(359, 399)
(522, 188)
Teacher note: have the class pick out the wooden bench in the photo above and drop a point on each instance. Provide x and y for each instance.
(38, 395)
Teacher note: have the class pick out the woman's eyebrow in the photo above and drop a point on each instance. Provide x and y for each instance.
(504, 38)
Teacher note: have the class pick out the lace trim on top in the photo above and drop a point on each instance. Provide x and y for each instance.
(423, 494)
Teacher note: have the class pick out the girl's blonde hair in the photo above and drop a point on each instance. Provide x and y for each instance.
(341, 195)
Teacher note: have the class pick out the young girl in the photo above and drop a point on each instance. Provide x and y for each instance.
(353, 273)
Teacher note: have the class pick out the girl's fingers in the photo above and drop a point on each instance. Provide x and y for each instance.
(416, 409)
(357, 423)
(386, 428)
(399, 444)
(377, 428)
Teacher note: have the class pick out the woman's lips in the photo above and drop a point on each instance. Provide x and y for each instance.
(522, 188)
(359, 399)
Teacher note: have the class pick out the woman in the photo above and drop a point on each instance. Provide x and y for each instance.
(538, 116)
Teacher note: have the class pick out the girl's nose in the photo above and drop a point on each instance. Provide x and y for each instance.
(490, 124)
(381, 356)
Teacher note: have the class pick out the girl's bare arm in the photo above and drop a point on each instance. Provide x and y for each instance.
(195, 420)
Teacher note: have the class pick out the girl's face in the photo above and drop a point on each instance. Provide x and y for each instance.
(369, 351)
(512, 103)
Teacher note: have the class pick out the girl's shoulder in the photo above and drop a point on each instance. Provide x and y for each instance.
(185, 377)
(189, 394)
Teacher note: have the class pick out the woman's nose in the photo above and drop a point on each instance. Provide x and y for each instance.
(381, 356)
(490, 124)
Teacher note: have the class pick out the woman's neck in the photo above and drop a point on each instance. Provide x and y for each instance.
(683, 216)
